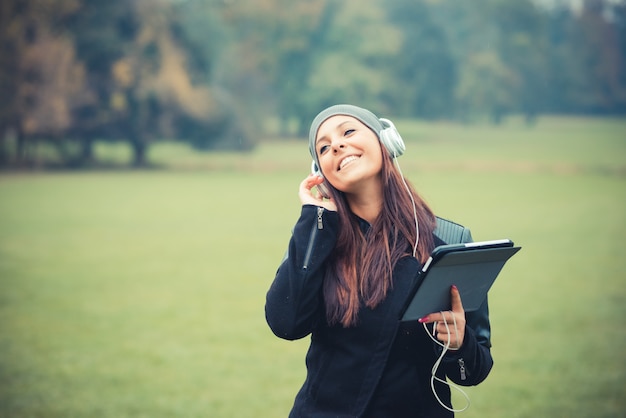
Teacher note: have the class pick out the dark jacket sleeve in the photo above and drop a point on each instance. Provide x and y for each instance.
(472, 363)
(469, 365)
(294, 300)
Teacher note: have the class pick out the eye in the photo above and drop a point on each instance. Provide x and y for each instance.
(348, 132)
(323, 149)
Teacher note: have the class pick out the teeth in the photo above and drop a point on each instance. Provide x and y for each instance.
(347, 160)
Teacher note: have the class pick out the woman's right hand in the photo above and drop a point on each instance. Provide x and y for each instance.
(308, 198)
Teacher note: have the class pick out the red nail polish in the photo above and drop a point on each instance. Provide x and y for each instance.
(423, 319)
(454, 287)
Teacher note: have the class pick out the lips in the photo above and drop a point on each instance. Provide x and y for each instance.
(347, 160)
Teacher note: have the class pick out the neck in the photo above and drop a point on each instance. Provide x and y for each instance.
(366, 204)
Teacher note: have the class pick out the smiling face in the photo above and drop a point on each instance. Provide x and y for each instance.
(349, 154)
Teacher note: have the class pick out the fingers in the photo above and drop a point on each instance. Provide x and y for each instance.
(450, 335)
(442, 318)
(455, 299)
(457, 308)
(310, 181)
(449, 326)
(307, 197)
(305, 193)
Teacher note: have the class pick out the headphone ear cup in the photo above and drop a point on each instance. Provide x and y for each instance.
(322, 188)
(315, 169)
(391, 139)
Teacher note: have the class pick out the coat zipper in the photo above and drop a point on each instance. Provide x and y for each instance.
(309, 248)
(462, 368)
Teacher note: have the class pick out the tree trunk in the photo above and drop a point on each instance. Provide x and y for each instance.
(86, 152)
(139, 153)
(20, 148)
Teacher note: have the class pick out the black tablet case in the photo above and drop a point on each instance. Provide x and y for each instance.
(473, 269)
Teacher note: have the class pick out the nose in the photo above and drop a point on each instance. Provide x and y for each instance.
(337, 145)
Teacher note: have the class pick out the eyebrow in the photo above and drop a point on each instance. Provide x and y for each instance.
(336, 128)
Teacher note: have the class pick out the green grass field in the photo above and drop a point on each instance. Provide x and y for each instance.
(141, 293)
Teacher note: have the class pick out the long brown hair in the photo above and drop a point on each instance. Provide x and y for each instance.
(362, 264)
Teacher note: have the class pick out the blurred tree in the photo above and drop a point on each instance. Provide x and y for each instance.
(299, 36)
(87, 70)
(486, 87)
(358, 62)
(602, 56)
(522, 45)
(497, 47)
(197, 26)
(588, 59)
(425, 70)
(471, 39)
(618, 18)
(298, 57)
(102, 33)
(209, 71)
(278, 42)
(12, 40)
(41, 80)
(151, 70)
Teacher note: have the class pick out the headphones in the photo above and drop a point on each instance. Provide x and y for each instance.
(389, 137)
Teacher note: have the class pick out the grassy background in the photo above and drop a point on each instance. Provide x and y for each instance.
(141, 293)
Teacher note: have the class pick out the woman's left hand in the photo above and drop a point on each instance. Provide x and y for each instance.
(455, 318)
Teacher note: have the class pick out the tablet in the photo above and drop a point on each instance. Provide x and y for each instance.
(472, 267)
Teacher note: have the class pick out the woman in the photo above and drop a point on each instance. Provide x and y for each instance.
(351, 262)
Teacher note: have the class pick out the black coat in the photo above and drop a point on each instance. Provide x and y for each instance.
(379, 366)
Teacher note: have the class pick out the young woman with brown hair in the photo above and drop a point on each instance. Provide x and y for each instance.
(352, 259)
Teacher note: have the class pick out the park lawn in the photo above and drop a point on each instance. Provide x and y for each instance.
(140, 293)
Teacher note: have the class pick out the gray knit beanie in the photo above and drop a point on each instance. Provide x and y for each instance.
(368, 118)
